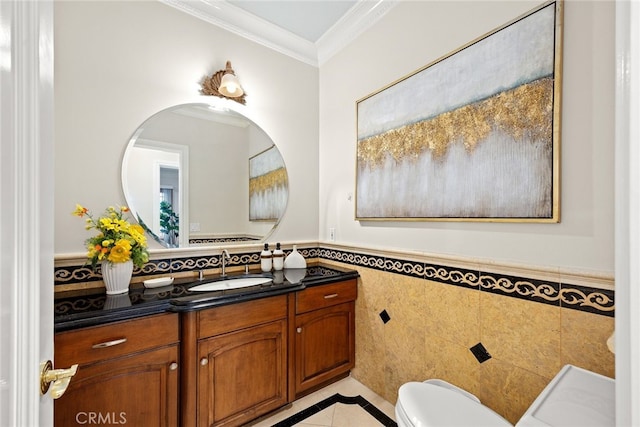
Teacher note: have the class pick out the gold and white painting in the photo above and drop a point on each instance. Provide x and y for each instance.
(473, 136)
(268, 186)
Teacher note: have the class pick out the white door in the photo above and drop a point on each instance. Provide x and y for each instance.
(627, 217)
(26, 209)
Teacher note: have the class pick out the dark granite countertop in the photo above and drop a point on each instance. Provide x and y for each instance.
(91, 307)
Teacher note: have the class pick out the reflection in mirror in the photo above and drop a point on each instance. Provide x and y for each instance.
(195, 175)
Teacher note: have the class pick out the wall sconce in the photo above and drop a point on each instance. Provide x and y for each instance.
(224, 84)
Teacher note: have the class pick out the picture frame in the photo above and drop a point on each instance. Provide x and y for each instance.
(472, 136)
(268, 186)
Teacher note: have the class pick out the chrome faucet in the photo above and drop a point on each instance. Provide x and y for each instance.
(225, 255)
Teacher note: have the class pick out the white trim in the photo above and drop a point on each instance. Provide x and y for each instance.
(627, 219)
(26, 195)
(183, 177)
(238, 21)
(247, 25)
(155, 197)
(157, 169)
(356, 21)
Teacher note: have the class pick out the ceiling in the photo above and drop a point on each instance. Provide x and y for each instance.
(311, 31)
(307, 19)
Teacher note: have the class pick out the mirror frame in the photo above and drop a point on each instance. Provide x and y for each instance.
(214, 103)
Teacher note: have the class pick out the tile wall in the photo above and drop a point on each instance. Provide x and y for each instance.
(432, 325)
(418, 316)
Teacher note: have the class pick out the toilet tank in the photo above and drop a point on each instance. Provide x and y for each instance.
(575, 397)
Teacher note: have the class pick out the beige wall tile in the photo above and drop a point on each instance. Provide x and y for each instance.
(522, 333)
(404, 334)
(406, 299)
(452, 312)
(370, 348)
(584, 341)
(370, 352)
(404, 357)
(451, 362)
(508, 389)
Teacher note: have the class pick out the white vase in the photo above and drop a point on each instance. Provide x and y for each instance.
(116, 276)
(295, 259)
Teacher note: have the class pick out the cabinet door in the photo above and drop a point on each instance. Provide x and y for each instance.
(242, 375)
(324, 345)
(136, 390)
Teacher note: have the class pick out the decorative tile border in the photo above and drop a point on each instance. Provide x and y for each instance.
(576, 297)
(376, 413)
(598, 301)
(69, 275)
(582, 298)
(214, 240)
(518, 287)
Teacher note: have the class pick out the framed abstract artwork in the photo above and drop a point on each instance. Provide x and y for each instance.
(268, 186)
(472, 136)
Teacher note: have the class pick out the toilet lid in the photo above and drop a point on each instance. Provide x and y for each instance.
(430, 405)
(575, 397)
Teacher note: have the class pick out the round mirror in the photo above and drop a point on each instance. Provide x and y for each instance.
(196, 174)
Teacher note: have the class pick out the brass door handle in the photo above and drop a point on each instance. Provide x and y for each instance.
(56, 379)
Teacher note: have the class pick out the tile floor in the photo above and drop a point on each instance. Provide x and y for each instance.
(339, 414)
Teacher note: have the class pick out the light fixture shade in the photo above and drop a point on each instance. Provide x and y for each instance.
(224, 84)
(230, 86)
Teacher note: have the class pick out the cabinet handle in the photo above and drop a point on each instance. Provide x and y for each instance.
(204, 361)
(173, 366)
(110, 343)
(330, 296)
(299, 330)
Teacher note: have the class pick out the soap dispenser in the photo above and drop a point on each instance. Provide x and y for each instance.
(278, 258)
(266, 259)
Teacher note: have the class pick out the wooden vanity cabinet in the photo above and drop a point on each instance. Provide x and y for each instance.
(323, 334)
(127, 374)
(240, 366)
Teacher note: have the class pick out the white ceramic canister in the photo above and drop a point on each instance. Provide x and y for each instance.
(266, 259)
(278, 258)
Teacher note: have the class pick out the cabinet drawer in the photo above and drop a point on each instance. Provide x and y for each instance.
(220, 320)
(326, 295)
(93, 344)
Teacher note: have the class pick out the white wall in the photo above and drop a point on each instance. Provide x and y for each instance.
(118, 63)
(412, 35)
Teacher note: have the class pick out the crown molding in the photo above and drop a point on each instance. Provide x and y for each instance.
(359, 18)
(240, 22)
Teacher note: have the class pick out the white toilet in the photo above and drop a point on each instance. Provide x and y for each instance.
(575, 397)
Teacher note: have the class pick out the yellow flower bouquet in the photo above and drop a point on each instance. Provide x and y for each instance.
(117, 240)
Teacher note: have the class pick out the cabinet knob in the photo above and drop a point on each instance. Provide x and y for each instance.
(204, 361)
(173, 366)
(330, 296)
(299, 330)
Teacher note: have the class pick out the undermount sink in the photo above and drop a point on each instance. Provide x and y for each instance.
(227, 284)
